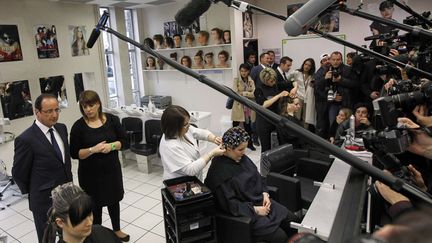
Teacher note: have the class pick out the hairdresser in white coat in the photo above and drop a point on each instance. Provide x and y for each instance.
(178, 146)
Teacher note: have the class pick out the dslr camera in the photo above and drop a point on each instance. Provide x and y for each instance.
(331, 94)
(335, 73)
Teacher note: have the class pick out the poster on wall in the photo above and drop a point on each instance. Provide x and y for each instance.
(170, 28)
(55, 85)
(329, 22)
(46, 41)
(247, 25)
(78, 37)
(16, 99)
(193, 28)
(10, 47)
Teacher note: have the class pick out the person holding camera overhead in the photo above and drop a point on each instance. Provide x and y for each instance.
(340, 84)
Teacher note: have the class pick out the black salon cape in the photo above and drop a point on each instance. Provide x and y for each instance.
(237, 187)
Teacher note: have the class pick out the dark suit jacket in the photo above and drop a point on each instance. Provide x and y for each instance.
(255, 72)
(36, 169)
(283, 84)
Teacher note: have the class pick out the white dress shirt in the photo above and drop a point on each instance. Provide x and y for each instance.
(45, 130)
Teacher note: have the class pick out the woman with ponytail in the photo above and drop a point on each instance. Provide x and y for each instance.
(71, 218)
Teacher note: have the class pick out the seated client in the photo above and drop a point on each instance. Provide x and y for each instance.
(240, 190)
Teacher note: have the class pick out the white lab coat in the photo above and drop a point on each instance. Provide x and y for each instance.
(180, 158)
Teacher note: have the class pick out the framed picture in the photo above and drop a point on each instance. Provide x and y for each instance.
(77, 37)
(16, 99)
(55, 85)
(328, 22)
(10, 47)
(247, 25)
(193, 28)
(46, 41)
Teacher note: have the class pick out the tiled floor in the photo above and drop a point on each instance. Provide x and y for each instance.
(141, 209)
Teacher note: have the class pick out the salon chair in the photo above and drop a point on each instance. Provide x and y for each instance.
(293, 172)
(144, 152)
(236, 229)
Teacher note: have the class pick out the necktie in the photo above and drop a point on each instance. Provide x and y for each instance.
(55, 145)
(284, 75)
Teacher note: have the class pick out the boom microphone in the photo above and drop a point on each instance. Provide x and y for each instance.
(302, 19)
(93, 37)
(191, 11)
(96, 31)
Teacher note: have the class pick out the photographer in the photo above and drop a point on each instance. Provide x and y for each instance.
(386, 9)
(398, 202)
(422, 141)
(362, 123)
(340, 84)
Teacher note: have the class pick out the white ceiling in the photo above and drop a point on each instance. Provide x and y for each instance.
(123, 3)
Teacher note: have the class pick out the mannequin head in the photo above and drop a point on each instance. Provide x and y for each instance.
(216, 35)
(203, 37)
(227, 36)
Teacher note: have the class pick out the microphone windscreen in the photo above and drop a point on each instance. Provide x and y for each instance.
(93, 38)
(300, 21)
(191, 11)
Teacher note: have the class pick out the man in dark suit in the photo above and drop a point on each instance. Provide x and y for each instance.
(264, 62)
(272, 62)
(281, 75)
(42, 159)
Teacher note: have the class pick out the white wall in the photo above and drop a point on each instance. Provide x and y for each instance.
(25, 14)
(271, 31)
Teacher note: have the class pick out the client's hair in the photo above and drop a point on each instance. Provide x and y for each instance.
(234, 136)
(70, 201)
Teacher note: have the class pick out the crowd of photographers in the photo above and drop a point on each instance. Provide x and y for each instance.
(391, 111)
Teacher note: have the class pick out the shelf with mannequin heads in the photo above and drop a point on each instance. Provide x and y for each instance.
(205, 52)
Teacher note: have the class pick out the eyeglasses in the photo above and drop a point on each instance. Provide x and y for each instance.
(51, 111)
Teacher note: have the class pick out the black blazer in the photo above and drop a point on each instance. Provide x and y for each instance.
(36, 169)
(283, 84)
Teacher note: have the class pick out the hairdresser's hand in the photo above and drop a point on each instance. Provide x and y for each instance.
(293, 92)
(417, 177)
(261, 210)
(218, 151)
(421, 113)
(100, 147)
(217, 140)
(214, 139)
(283, 94)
